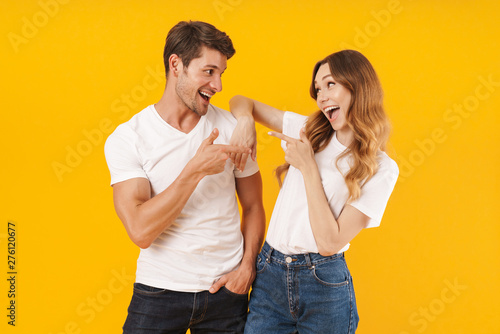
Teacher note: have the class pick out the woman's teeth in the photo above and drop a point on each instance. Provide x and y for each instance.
(330, 110)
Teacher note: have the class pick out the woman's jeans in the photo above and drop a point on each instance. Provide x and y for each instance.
(306, 293)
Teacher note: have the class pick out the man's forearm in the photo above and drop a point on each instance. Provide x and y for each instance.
(152, 217)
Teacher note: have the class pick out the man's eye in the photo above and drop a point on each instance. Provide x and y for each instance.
(209, 71)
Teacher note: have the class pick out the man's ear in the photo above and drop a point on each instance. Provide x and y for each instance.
(175, 64)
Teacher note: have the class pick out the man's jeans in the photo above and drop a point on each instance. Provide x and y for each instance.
(306, 293)
(154, 310)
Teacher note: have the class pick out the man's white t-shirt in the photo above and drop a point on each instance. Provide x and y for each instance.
(290, 229)
(205, 241)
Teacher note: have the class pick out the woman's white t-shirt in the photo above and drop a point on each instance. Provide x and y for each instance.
(289, 229)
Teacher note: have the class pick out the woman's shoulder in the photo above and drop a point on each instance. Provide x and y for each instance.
(386, 164)
(293, 116)
(292, 123)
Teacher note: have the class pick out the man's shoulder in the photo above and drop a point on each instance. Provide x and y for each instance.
(138, 122)
(220, 115)
(130, 130)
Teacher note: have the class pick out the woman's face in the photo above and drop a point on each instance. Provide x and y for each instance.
(332, 98)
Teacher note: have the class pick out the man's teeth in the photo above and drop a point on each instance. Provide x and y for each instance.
(206, 94)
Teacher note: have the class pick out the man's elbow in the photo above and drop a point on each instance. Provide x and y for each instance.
(256, 214)
(143, 244)
(139, 237)
(140, 241)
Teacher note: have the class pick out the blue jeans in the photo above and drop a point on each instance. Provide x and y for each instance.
(306, 293)
(154, 310)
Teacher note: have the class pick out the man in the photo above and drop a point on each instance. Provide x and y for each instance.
(174, 190)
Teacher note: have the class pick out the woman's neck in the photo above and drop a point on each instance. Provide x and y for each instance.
(345, 137)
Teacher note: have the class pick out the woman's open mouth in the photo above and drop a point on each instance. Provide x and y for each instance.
(331, 112)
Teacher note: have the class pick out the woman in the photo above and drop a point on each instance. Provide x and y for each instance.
(338, 181)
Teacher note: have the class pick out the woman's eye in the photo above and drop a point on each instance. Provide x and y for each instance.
(331, 84)
(317, 90)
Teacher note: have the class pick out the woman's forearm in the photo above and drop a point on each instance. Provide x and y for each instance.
(245, 108)
(324, 226)
(331, 234)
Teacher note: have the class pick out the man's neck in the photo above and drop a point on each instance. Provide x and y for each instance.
(173, 111)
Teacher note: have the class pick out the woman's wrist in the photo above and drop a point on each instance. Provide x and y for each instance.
(246, 119)
(309, 168)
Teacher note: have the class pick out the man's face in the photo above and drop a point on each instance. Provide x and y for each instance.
(197, 83)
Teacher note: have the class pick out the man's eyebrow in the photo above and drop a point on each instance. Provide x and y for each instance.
(215, 67)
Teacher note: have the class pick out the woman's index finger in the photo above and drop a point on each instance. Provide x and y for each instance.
(281, 136)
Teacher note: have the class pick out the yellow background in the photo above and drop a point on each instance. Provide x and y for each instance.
(73, 70)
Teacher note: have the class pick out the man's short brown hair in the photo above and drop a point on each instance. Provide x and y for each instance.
(186, 39)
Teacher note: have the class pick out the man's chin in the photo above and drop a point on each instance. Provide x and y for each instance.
(201, 111)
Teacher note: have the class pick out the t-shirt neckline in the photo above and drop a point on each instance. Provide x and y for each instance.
(170, 127)
(337, 143)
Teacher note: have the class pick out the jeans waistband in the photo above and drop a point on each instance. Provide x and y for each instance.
(307, 259)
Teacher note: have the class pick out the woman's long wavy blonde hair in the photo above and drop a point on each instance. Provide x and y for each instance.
(365, 117)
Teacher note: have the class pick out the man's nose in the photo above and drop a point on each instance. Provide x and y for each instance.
(216, 83)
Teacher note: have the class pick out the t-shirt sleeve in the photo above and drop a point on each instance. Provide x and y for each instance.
(376, 192)
(292, 123)
(121, 155)
(250, 168)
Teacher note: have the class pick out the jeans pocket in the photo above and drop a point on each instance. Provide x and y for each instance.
(260, 264)
(234, 294)
(332, 273)
(144, 289)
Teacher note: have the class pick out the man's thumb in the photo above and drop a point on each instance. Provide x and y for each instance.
(217, 285)
(210, 139)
